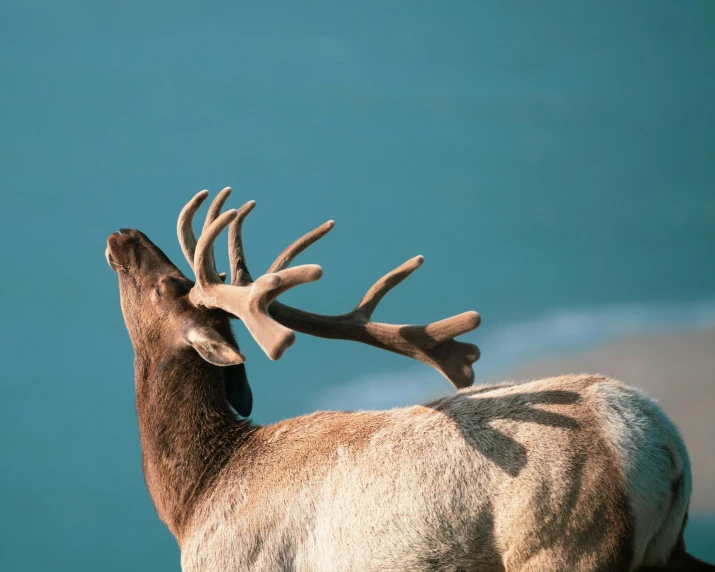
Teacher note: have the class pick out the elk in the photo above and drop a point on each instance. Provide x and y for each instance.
(574, 473)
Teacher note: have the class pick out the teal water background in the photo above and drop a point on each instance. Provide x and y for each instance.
(544, 157)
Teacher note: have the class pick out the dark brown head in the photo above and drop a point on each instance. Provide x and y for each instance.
(167, 314)
(158, 311)
(162, 321)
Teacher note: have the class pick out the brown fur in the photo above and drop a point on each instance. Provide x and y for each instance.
(515, 477)
(187, 430)
(593, 510)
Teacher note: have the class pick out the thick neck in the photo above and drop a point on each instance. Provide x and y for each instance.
(188, 433)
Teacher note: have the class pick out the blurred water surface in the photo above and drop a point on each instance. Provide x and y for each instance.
(540, 155)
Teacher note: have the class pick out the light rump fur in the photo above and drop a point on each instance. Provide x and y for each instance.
(577, 473)
(518, 477)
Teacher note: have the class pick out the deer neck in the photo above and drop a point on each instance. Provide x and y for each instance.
(187, 431)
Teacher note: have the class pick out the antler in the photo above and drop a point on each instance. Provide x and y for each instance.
(249, 301)
(271, 322)
(432, 344)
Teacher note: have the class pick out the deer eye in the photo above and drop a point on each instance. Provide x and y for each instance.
(158, 291)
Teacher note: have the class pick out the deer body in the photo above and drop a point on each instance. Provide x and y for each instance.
(520, 477)
(576, 473)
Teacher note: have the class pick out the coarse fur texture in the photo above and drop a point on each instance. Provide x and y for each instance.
(575, 473)
(511, 477)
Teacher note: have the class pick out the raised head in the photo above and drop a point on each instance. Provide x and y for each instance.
(166, 312)
(169, 316)
(157, 307)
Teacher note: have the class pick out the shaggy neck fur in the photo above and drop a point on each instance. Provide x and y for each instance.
(188, 433)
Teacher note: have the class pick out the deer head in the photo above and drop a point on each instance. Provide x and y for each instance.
(162, 319)
(166, 312)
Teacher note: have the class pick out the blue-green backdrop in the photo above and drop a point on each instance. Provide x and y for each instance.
(541, 155)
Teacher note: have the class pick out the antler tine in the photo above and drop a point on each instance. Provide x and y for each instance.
(298, 246)
(247, 302)
(291, 277)
(212, 214)
(215, 208)
(376, 293)
(444, 330)
(438, 332)
(187, 239)
(240, 276)
(203, 259)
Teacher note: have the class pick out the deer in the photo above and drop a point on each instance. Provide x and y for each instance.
(572, 473)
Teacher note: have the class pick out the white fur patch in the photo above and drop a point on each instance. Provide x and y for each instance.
(654, 459)
(487, 478)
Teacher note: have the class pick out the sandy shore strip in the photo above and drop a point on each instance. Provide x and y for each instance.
(676, 368)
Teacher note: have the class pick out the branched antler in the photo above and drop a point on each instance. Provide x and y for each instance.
(432, 344)
(248, 302)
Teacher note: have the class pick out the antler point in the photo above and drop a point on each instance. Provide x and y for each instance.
(476, 319)
(318, 272)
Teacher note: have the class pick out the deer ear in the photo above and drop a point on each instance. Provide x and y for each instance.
(213, 347)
